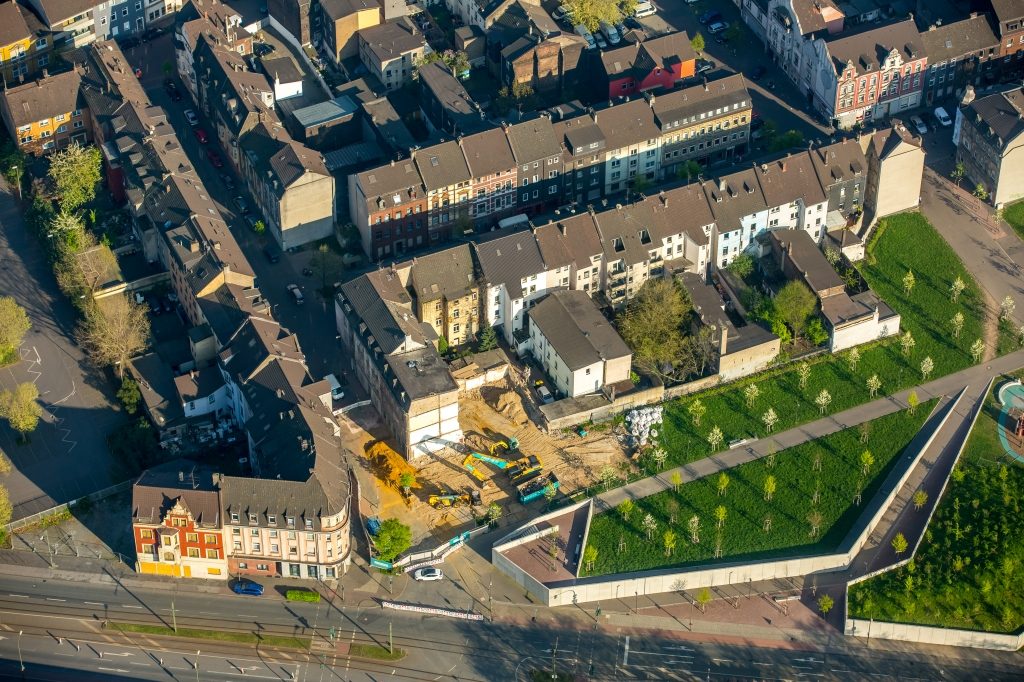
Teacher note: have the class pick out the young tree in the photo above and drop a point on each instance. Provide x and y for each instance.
(703, 599)
(920, 499)
(21, 409)
(669, 540)
(688, 170)
(407, 479)
(652, 326)
(129, 395)
(977, 350)
(590, 557)
(676, 480)
(803, 373)
(721, 514)
(750, 393)
(825, 604)
(958, 324)
(853, 358)
(494, 512)
(873, 384)
(697, 43)
(832, 255)
(550, 493)
(899, 543)
(766, 523)
(715, 438)
(649, 525)
(769, 488)
(626, 508)
(958, 173)
(823, 400)
(865, 431)
(908, 283)
(980, 192)
(907, 342)
(658, 456)
(672, 508)
(769, 418)
(723, 483)
(75, 172)
(795, 303)
(696, 409)
(1006, 308)
(867, 460)
(488, 339)
(114, 331)
(815, 519)
(741, 266)
(393, 538)
(14, 324)
(693, 526)
(442, 345)
(927, 366)
(913, 401)
(591, 13)
(771, 450)
(956, 288)
(259, 227)
(327, 266)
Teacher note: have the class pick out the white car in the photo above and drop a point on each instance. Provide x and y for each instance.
(297, 293)
(644, 8)
(191, 117)
(717, 26)
(428, 573)
(943, 117)
(919, 125)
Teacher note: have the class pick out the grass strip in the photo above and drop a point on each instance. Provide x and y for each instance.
(375, 651)
(219, 635)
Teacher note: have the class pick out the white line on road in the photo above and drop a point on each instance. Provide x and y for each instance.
(21, 596)
(837, 670)
(130, 606)
(767, 664)
(113, 670)
(723, 660)
(625, 652)
(803, 667)
(262, 677)
(93, 603)
(137, 663)
(123, 653)
(54, 599)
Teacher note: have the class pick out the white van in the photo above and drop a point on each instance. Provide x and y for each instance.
(610, 33)
(644, 8)
(582, 31)
(336, 391)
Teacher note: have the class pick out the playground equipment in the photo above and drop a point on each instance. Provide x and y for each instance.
(524, 469)
(534, 489)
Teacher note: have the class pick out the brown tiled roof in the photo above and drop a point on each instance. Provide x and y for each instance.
(1006, 10)
(448, 273)
(960, 38)
(840, 161)
(577, 331)
(790, 178)
(487, 152)
(813, 14)
(734, 196)
(42, 99)
(400, 178)
(12, 24)
(160, 487)
(642, 58)
(627, 124)
(442, 165)
(56, 11)
(570, 240)
(685, 106)
(391, 40)
(868, 49)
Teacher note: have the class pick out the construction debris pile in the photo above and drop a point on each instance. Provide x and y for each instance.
(642, 422)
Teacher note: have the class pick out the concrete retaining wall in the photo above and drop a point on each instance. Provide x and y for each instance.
(923, 634)
(660, 582)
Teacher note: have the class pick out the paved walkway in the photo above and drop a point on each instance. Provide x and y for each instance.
(977, 375)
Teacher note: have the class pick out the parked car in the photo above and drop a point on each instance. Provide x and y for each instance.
(545, 395)
(611, 33)
(227, 180)
(717, 26)
(429, 573)
(919, 125)
(710, 16)
(644, 8)
(943, 117)
(758, 71)
(582, 32)
(272, 254)
(560, 13)
(241, 204)
(214, 158)
(704, 65)
(247, 587)
(296, 293)
(601, 42)
(167, 303)
(172, 89)
(154, 304)
(191, 117)
(201, 135)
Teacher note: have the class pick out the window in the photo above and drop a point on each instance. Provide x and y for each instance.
(274, 548)
(146, 534)
(261, 567)
(179, 522)
(191, 537)
(255, 547)
(309, 525)
(243, 565)
(210, 539)
(212, 554)
(193, 552)
(235, 531)
(124, 12)
(64, 129)
(255, 532)
(291, 521)
(252, 518)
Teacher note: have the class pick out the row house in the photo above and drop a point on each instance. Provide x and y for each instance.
(494, 172)
(583, 157)
(1009, 20)
(445, 293)
(25, 44)
(449, 185)
(394, 357)
(632, 145)
(989, 135)
(793, 28)
(71, 23)
(216, 20)
(47, 114)
(707, 123)
(794, 194)
(389, 207)
(392, 50)
(870, 75)
(741, 213)
(842, 173)
(656, 63)
(959, 53)
(538, 157)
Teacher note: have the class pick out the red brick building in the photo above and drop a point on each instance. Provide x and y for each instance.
(657, 63)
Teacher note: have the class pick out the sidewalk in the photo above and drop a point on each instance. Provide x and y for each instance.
(976, 375)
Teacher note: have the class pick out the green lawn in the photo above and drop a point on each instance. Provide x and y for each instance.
(743, 535)
(907, 243)
(380, 653)
(219, 635)
(967, 571)
(1014, 215)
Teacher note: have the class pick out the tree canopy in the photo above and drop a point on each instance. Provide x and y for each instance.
(14, 324)
(20, 407)
(795, 303)
(75, 172)
(591, 13)
(652, 326)
(114, 330)
(393, 538)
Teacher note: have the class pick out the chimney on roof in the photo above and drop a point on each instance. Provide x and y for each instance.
(782, 165)
(593, 115)
(181, 476)
(663, 197)
(721, 184)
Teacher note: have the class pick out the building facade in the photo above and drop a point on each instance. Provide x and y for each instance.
(989, 135)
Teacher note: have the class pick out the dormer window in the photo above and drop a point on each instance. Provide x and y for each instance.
(234, 517)
(645, 236)
(618, 245)
(252, 518)
(291, 521)
(272, 519)
(309, 524)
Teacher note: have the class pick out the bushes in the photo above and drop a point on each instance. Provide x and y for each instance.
(302, 595)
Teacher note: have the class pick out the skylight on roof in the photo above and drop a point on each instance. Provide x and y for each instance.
(433, 161)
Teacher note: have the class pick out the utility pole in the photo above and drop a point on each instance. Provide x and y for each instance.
(197, 665)
(554, 653)
(391, 642)
(21, 661)
(174, 617)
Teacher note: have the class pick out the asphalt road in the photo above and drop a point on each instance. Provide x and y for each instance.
(67, 456)
(61, 631)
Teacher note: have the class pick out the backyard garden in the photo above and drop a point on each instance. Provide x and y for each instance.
(942, 331)
(798, 501)
(966, 573)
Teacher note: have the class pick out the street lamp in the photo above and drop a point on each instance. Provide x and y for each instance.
(21, 661)
(197, 665)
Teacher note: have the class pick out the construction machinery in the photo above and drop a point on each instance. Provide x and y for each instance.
(536, 488)
(467, 464)
(525, 469)
(440, 501)
(499, 462)
(510, 446)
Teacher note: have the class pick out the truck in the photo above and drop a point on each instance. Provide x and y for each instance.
(535, 488)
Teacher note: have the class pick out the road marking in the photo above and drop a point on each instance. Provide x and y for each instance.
(21, 596)
(837, 670)
(803, 667)
(207, 613)
(114, 670)
(130, 606)
(625, 652)
(123, 653)
(723, 660)
(93, 603)
(262, 677)
(767, 664)
(54, 599)
(137, 663)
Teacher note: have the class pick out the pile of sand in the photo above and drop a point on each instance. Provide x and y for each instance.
(511, 405)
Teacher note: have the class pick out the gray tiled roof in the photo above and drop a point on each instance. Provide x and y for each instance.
(734, 196)
(12, 23)
(273, 151)
(45, 98)
(508, 259)
(960, 38)
(487, 152)
(577, 331)
(570, 240)
(808, 258)
(838, 162)
(533, 140)
(790, 178)
(685, 105)
(392, 39)
(56, 11)
(338, 9)
(385, 307)
(156, 384)
(1001, 113)
(281, 68)
(448, 273)
(1008, 9)
(627, 124)
(160, 487)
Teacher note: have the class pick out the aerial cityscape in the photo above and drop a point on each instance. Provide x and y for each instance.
(511, 340)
